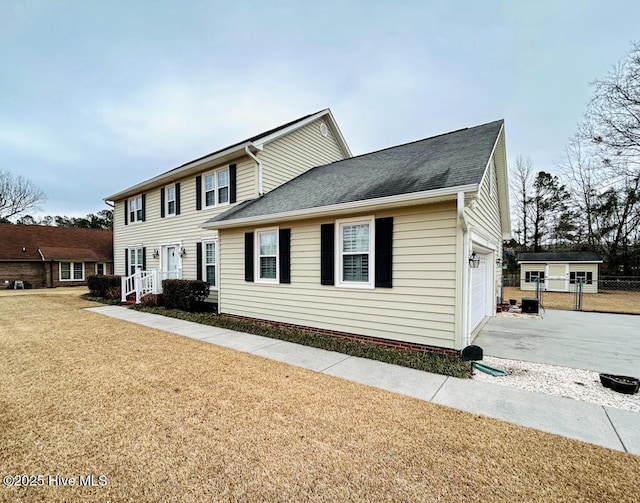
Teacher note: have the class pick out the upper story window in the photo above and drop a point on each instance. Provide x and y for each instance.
(135, 209)
(355, 254)
(171, 200)
(267, 255)
(216, 187)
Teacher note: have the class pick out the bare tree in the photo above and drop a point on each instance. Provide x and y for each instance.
(17, 195)
(521, 184)
(613, 116)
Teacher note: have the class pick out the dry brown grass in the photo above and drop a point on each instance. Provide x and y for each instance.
(167, 418)
(609, 302)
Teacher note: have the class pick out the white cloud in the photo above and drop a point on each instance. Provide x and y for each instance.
(33, 142)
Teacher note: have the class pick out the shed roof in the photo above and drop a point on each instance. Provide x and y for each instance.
(41, 242)
(449, 160)
(583, 256)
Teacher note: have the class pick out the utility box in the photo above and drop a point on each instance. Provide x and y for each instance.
(530, 305)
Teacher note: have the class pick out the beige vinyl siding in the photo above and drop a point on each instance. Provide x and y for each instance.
(419, 308)
(523, 270)
(297, 152)
(592, 268)
(484, 218)
(180, 229)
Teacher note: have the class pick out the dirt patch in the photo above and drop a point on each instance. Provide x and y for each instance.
(606, 302)
(167, 418)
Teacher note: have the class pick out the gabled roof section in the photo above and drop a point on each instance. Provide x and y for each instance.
(42, 242)
(443, 164)
(226, 154)
(584, 256)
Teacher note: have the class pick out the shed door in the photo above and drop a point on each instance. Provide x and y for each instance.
(479, 292)
(557, 277)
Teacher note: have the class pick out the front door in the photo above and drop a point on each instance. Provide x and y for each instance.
(170, 259)
(557, 277)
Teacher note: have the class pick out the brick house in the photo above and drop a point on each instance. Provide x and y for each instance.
(42, 256)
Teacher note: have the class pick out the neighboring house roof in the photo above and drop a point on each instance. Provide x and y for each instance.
(559, 257)
(40, 242)
(255, 144)
(438, 165)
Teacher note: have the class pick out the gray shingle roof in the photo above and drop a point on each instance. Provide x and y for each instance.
(585, 256)
(444, 161)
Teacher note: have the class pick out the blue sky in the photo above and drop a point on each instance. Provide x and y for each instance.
(96, 96)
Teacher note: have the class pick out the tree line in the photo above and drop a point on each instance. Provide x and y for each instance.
(593, 204)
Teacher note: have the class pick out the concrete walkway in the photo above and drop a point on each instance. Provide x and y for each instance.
(605, 426)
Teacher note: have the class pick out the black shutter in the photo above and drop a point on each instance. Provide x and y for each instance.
(144, 207)
(327, 263)
(248, 256)
(144, 258)
(177, 198)
(232, 183)
(162, 201)
(126, 262)
(384, 252)
(198, 192)
(199, 261)
(126, 212)
(284, 245)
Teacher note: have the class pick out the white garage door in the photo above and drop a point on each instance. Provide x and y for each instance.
(479, 292)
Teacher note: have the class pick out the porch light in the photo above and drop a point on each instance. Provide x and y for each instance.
(183, 252)
(474, 261)
(156, 254)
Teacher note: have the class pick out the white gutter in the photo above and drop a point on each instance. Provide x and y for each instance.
(250, 154)
(413, 198)
(465, 269)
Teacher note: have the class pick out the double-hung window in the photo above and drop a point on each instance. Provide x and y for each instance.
(135, 209)
(355, 254)
(210, 263)
(216, 187)
(71, 271)
(135, 259)
(585, 277)
(100, 269)
(267, 255)
(171, 200)
(533, 276)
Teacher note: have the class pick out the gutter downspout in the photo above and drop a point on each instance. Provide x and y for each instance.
(465, 269)
(250, 154)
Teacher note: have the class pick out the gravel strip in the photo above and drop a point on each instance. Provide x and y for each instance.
(559, 381)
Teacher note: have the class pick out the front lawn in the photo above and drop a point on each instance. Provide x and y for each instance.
(169, 418)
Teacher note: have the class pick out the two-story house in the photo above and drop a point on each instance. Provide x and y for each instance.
(157, 223)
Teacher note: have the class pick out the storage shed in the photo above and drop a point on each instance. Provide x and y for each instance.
(559, 271)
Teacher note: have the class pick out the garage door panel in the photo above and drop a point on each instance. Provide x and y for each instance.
(479, 292)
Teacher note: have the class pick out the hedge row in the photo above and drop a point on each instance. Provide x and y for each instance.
(100, 284)
(187, 295)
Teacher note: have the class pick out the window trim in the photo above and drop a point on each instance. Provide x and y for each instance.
(215, 242)
(216, 188)
(104, 268)
(167, 200)
(133, 215)
(256, 255)
(339, 261)
(71, 270)
(130, 263)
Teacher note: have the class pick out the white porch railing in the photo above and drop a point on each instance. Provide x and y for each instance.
(142, 283)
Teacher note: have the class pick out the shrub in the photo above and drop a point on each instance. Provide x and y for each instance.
(100, 284)
(183, 294)
(112, 293)
(152, 300)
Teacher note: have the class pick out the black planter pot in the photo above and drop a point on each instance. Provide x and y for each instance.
(621, 384)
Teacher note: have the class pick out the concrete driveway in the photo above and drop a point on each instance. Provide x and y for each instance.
(594, 341)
